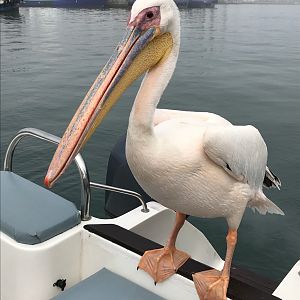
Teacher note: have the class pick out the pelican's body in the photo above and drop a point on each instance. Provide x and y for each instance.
(194, 163)
(172, 167)
(172, 164)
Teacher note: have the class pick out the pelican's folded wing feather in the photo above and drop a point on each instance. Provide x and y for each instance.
(271, 180)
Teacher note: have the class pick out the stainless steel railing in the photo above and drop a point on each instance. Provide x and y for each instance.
(83, 172)
(121, 191)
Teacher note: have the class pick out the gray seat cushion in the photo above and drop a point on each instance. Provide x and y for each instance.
(31, 214)
(107, 286)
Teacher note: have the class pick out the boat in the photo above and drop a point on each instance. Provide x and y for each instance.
(50, 250)
(9, 5)
(196, 3)
(65, 3)
(110, 3)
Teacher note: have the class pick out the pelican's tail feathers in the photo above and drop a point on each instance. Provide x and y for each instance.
(271, 180)
(264, 205)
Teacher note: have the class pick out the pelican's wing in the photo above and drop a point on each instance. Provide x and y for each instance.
(240, 150)
(162, 115)
(271, 180)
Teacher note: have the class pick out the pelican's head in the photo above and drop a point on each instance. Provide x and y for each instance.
(162, 14)
(152, 31)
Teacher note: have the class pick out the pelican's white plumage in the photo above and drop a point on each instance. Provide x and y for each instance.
(195, 163)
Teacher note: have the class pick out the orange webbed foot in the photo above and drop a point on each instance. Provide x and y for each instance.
(211, 285)
(160, 264)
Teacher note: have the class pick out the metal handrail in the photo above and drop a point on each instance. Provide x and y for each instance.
(121, 191)
(84, 175)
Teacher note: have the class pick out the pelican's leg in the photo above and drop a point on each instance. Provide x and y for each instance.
(213, 284)
(160, 264)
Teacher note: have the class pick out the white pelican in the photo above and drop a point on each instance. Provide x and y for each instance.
(194, 163)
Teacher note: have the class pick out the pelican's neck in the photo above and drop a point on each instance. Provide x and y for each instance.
(151, 90)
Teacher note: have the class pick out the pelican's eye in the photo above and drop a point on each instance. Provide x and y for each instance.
(149, 15)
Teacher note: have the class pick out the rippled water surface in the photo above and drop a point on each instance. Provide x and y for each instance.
(240, 61)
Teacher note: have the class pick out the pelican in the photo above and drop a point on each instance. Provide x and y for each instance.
(196, 163)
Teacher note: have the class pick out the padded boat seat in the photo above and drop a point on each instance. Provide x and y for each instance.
(31, 214)
(106, 285)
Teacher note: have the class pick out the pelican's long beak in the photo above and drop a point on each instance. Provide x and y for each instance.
(138, 52)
